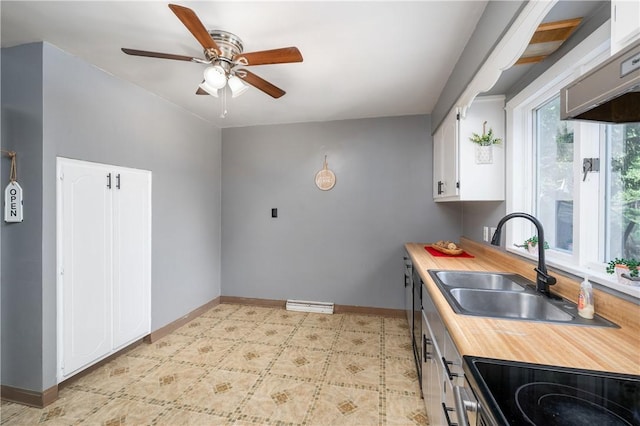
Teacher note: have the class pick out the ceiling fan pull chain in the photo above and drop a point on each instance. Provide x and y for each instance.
(223, 113)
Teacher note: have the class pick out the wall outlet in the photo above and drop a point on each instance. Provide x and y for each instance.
(485, 233)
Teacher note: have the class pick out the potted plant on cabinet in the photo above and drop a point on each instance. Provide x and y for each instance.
(626, 270)
(484, 145)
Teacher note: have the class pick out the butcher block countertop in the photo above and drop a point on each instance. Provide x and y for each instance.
(592, 348)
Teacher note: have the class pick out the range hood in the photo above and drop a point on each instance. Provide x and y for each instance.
(609, 93)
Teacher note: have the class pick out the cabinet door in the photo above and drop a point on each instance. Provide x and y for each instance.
(431, 377)
(131, 255)
(85, 222)
(445, 158)
(625, 23)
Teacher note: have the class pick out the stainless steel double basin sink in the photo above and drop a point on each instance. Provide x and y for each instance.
(506, 295)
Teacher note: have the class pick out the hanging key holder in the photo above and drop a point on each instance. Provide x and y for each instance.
(13, 208)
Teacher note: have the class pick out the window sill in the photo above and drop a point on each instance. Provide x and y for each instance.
(606, 282)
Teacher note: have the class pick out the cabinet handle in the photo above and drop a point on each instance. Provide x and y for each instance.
(446, 414)
(109, 180)
(446, 367)
(426, 341)
(118, 181)
(440, 183)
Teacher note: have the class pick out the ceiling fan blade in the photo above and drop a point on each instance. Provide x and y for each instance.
(148, 54)
(190, 20)
(201, 91)
(265, 57)
(260, 83)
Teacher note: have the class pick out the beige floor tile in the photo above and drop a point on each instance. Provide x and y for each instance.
(398, 326)
(368, 323)
(205, 351)
(121, 412)
(220, 391)
(280, 316)
(118, 373)
(167, 382)
(270, 334)
(279, 399)
(354, 370)
(71, 408)
(251, 357)
(397, 346)
(405, 410)
(175, 417)
(251, 313)
(340, 405)
(314, 337)
(323, 321)
(245, 365)
(305, 363)
(358, 342)
(401, 376)
(163, 348)
(230, 329)
(197, 326)
(221, 311)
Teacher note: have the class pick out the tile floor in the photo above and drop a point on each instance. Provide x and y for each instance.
(241, 365)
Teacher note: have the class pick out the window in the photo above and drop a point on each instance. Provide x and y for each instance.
(554, 171)
(589, 218)
(622, 188)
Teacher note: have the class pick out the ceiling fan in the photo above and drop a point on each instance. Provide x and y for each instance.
(223, 52)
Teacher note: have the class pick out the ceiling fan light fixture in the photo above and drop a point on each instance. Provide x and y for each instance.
(237, 86)
(215, 76)
(209, 89)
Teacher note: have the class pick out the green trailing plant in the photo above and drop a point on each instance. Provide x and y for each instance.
(533, 241)
(632, 264)
(486, 139)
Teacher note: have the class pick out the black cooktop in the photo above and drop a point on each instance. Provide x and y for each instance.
(517, 393)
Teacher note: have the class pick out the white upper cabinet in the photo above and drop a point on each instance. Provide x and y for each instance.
(625, 23)
(462, 170)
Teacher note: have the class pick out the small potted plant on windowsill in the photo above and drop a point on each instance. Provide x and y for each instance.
(531, 245)
(484, 144)
(627, 270)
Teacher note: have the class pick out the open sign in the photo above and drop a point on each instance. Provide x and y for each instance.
(13, 203)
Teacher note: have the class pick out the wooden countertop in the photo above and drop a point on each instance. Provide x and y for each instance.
(592, 348)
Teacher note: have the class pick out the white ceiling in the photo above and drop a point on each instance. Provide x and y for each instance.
(361, 59)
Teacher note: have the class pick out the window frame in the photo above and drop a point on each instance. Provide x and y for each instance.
(521, 166)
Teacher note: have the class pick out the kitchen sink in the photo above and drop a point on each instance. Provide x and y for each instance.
(487, 281)
(509, 304)
(506, 296)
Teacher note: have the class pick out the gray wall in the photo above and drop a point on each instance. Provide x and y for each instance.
(344, 245)
(477, 214)
(494, 22)
(90, 115)
(21, 281)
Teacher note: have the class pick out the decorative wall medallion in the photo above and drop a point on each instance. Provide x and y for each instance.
(325, 178)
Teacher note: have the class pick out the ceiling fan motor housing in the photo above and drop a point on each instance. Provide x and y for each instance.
(229, 44)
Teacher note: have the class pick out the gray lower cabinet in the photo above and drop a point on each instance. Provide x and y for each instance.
(408, 290)
(442, 366)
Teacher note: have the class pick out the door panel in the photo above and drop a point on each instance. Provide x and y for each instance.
(86, 261)
(132, 256)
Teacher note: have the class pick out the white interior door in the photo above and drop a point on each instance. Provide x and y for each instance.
(131, 256)
(85, 206)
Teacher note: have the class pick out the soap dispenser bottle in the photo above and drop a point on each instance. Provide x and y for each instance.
(585, 300)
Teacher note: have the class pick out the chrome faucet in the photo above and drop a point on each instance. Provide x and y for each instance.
(543, 279)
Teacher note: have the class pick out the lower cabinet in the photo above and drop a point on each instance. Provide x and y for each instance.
(104, 261)
(441, 369)
(432, 376)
